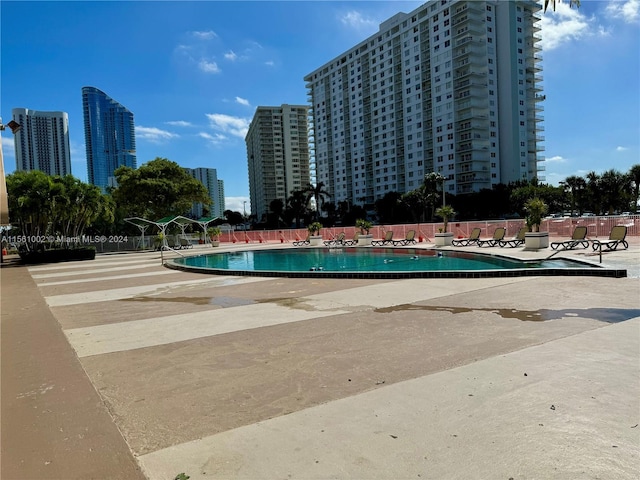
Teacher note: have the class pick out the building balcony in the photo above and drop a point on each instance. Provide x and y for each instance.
(473, 49)
(466, 26)
(475, 101)
(469, 72)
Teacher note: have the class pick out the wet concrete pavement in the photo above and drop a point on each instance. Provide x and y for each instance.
(137, 371)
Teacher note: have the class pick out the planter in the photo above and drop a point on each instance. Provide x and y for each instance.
(215, 243)
(365, 239)
(315, 240)
(444, 239)
(536, 240)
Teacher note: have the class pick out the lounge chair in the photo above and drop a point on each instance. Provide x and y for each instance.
(578, 240)
(387, 240)
(616, 238)
(184, 243)
(470, 240)
(410, 238)
(336, 241)
(306, 241)
(498, 236)
(515, 241)
(171, 243)
(353, 241)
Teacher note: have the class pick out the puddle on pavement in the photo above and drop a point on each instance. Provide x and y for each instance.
(608, 315)
(224, 302)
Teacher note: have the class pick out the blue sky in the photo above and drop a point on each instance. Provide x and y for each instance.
(193, 73)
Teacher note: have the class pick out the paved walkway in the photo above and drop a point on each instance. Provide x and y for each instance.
(119, 368)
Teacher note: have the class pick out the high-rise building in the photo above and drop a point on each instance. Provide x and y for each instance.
(109, 135)
(43, 141)
(278, 155)
(453, 87)
(215, 187)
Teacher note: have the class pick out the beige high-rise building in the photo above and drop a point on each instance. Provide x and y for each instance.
(43, 141)
(452, 87)
(277, 155)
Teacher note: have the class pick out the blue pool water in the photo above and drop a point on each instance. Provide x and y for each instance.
(372, 262)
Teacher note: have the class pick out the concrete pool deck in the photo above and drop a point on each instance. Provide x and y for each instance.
(120, 368)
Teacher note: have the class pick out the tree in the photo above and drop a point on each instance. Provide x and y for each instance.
(572, 3)
(277, 207)
(616, 190)
(61, 208)
(318, 194)
(234, 218)
(390, 208)
(158, 189)
(575, 186)
(297, 205)
(416, 203)
(593, 191)
(634, 174)
(445, 212)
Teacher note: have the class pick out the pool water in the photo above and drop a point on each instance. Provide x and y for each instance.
(356, 262)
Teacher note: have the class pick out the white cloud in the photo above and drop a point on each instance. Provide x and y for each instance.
(154, 134)
(355, 20)
(231, 56)
(242, 101)
(8, 146)
(208, 67)
(621, 149)
(236, 126)
(628, 10)
(236, 204)
(270, 63)
(563, 25)
(216, 139)
(557, 159)
(208, 35)
(179, 123)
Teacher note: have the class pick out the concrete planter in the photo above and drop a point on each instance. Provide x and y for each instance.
(215, 243)
(536, 240)
(444, 239)
(365, 239)
(315, 240)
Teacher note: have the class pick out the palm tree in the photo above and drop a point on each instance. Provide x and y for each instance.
(593, 189)
(615, 189)
(318, 194)
(277, 207)
(575, 185)
(634, 173)
(429, 190)
(297, 205)
(572, 3)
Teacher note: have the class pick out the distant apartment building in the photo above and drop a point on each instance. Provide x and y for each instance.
(278, 155)
(43, 141)
(215, 187)
(453, 87)
(109, 135)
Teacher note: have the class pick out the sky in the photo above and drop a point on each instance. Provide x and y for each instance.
(193, 74)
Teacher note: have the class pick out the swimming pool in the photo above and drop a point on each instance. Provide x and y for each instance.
(380, 263)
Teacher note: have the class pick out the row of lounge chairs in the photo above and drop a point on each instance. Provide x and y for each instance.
(340, 240)
(173, 243)
(578, 239)
(497, 240)
(409, 239)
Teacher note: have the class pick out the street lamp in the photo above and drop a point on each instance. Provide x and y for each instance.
(4, 196)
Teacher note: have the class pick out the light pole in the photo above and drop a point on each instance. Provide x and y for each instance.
(4, 196)
(444, 179)
(244, 210)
